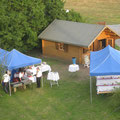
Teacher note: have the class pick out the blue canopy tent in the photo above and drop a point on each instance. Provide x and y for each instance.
(104, 62)
(3, 52)
(15, 59)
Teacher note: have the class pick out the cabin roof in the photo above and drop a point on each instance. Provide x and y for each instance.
(75, 33)
(115, 28)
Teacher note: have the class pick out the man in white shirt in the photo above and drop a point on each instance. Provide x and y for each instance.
(6, 79)
(39, 75)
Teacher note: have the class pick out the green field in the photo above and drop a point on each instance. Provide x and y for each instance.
(97, 10)
(69, 101)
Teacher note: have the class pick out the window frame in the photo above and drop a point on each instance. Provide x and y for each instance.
(62, 47)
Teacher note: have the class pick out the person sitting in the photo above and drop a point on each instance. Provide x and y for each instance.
(16, 77)
(21, 75)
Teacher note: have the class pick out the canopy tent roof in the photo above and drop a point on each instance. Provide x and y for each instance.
(105, 62)
(3, 52)
(15, 59)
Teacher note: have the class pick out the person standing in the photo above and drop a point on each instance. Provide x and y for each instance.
(39, 75)
(6, 79)
(34, 69)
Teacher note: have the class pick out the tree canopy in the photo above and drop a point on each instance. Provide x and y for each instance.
(22, 20)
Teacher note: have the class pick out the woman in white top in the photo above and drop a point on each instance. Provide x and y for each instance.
(38, 75)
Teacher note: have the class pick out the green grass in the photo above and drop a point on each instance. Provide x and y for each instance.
(69, 101)
(97, 10)
(117, 47)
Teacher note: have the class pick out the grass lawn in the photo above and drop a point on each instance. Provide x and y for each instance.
(69, 101)
(97, 10)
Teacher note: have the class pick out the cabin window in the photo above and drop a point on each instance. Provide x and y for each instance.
(62, 47)
(85, 50)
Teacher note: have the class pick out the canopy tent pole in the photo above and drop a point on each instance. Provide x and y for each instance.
(9, 88)
(42, 80)
(90, 90)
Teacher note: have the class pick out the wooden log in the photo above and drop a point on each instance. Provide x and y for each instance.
(103, 92)
(14, 89)
(24, 86)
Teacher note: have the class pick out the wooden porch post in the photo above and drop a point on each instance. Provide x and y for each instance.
(113, 43)
(43, 45)
(106, 41)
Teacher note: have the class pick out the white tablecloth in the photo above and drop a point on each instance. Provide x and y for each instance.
(29, 70)
(53, 76)
(45, 68)
(106, 88)
(32, 78)
(73, 68)
(107, 82)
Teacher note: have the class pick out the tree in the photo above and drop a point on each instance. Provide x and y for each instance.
(20, 22)
(74, 16)
(54, 9)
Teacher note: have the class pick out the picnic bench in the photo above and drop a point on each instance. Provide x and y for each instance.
(26, 82)
(15, 85)
(23, 84)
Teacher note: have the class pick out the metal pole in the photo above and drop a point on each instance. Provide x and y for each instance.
(42, 80)
(9, 88)
(90, 90)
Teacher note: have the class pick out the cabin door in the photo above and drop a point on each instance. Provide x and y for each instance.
(110, 42)
(102, 43)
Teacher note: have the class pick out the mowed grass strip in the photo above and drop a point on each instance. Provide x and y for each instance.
(69, 101)
(97, 10)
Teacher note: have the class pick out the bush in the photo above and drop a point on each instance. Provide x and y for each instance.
(117, 47)
(21, 21)
(115, 99)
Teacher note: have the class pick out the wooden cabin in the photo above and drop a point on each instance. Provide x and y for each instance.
(65, 39)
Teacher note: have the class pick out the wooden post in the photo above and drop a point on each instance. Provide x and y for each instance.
(14, 89)
(24, 86)
(113, 43)
(80, 53)
(106, 41)
(43, 46)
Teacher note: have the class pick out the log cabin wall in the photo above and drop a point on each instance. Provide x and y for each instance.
(106, 35)
(49, 49)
